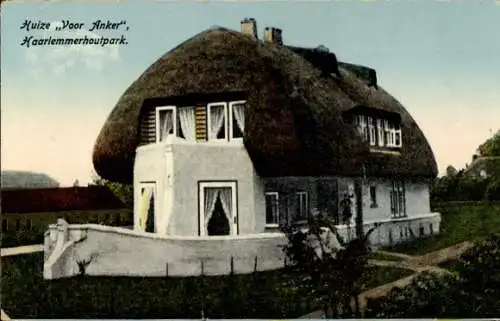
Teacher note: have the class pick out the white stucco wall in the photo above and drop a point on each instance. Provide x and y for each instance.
(118, 251)
(416, 193)
(190, 164)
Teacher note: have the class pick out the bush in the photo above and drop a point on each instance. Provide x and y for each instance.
(331, 277)
(474, 291)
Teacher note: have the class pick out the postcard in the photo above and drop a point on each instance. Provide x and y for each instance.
(250, 159)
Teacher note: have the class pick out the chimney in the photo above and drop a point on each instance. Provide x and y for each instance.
(273, 35)
(249, 27)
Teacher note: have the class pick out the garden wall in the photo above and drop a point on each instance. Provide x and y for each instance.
(117, 251)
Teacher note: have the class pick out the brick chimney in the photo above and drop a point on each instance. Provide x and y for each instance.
(249, 27)
(273, 35)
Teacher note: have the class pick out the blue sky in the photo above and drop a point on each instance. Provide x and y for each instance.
(441, 59)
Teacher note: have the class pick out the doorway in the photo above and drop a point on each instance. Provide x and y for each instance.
(218, 210)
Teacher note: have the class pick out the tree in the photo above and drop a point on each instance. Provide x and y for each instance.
(451, 171)
(125, 192)
(491, 147)
(329, 268)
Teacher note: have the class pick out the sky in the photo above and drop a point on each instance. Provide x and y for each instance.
(440, 59)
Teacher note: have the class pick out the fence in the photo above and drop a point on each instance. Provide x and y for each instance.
(256, 295)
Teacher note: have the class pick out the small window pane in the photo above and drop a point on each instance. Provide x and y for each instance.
(217, 123)
(166, 126)
(272, 209)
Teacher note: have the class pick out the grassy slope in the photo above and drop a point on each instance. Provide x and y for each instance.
(459, 223)
(264, 295)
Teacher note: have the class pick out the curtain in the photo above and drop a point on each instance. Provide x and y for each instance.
(226, 199)
(146, 196)
(187, 118)
(239, 114)
(168, 124)
(210, 199)
(216, 119)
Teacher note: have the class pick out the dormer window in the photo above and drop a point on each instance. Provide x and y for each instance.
(175, 121)
(217, 121)
(196, 121)
(166, 120)
(378, 131)
(237, 118)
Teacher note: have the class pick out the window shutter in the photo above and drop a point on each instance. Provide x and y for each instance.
(201, 122)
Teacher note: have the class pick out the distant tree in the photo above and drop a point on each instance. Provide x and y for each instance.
(491, 147)
(451, 171)
(125, 192)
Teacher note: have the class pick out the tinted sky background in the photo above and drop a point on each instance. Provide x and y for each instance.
(441, 59)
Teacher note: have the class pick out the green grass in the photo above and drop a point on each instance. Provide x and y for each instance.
(383, 257)
(468, 222)
(261, 295)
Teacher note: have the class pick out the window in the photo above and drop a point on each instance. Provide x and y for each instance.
(380, 132)
(146, 217)
(302, 206)
(187, 123)
(237, 118)
(272, 209)
(217, 121)
(4, 225)
(18, 224)
(397, 136)
(166, 120)
(387, 133)
(363, 127)
(218, 210)
(372, 131)
(398, 199)
(373, 195)
(28, 224)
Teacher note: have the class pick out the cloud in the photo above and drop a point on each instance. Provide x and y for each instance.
(58, 59)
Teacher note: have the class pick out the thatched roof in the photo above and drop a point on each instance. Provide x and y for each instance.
(295, 105)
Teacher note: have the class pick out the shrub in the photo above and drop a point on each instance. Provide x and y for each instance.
(474, 291)
(331, 276)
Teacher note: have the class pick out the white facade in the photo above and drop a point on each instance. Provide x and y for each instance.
(183, 170)
(180, 172)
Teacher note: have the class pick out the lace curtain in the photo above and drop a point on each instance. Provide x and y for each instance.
(239, 114)
(211, 195)
(145, 202)
(216, 120)
(187, 119)
(227, 203)
(167, 124)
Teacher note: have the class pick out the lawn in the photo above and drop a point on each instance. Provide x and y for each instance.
(383, 257)
(467, 222)
(261, 295)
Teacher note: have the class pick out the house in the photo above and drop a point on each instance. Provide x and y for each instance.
(227, 134)
(34, 209)
(228, 138)
(483, 167)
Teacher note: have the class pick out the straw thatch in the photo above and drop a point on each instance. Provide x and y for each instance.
(295, 105)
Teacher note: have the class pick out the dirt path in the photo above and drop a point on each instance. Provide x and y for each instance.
(418, 264)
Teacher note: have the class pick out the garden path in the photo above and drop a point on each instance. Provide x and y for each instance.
(422, 263)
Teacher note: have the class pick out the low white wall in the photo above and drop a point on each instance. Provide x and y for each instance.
(117, 251)
(392, 231)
